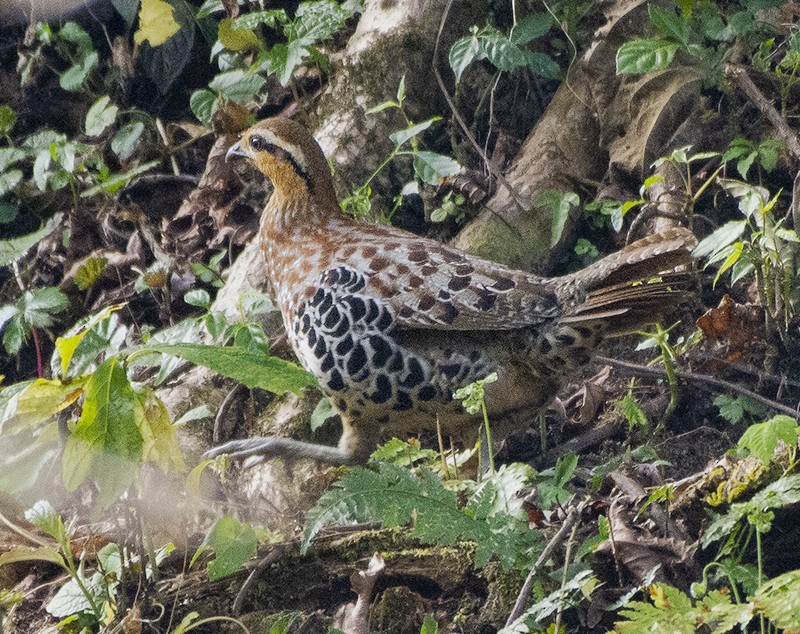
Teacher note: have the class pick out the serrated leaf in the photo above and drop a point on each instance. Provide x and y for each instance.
(644, 56)
(779, 601)
(106, 440)
(669, 23)
(157, 23)
(762, 438)
(270, 17)
(90, 271)
(249, 368)
(38, 306)
(100, 115)
(431, 168)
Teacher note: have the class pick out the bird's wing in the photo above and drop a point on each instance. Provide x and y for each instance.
(425, 284)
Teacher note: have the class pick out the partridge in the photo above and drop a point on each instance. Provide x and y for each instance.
(392, 323)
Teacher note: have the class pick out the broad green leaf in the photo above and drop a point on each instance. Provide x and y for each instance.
(726, 235)
(38, 306)
(15, 332)
(429, 625)
(127, 9)
(233, 543)
(9, 156)
(463, 52)
(72, 32)
(237, 85)
(24, 554)
(198, 297)
(271, 17)
(160, 443)
(235, 37)
(126, 141)
(762, 438)
(75, 76)
(542, 65)
(734, 253)
(65, 346)
(669, 23)
(14, 248)
(9, 180)
(531, 27)
(70, 598)
(101, 115)
(47, 519)
(203, 103)
(644, 56)
(42, 400)
(432, 168)
(249, 368)
(499, 50)
(399, 137)
(779, 601)
(106, 441)
(156, 23)
(322, 412)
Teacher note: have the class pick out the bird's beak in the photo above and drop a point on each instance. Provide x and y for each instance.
(234, 150)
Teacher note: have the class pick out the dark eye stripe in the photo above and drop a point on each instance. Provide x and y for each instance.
(260, 144)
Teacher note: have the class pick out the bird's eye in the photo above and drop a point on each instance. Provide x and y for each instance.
(258, 143)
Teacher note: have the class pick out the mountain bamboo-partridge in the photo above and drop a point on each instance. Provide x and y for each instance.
(392, 323)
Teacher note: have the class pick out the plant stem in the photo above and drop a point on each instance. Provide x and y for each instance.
(38, 347)
(489, 446)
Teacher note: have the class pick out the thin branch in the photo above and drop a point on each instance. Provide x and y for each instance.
(740, 77)
(702, 380)
(562, 534)
(462, 124)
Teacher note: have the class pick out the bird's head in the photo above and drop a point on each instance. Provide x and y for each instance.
(286, 153)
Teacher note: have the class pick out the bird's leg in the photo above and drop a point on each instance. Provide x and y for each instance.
(354, 447)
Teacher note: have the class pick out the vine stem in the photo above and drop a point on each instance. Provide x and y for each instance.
(38, 347)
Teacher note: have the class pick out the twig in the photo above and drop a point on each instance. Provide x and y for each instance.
(462, 124)
(271, 557)
(739, 75)
(703, 380)
(560, 536)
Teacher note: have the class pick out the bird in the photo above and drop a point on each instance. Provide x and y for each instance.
(392, 323)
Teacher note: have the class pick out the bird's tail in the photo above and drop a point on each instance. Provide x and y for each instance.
(631, 288)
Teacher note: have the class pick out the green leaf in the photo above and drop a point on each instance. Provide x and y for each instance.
(431, 168)
(9, 156)
(9, 180)
(7, 119)
(252, 369)
(163, 64)
(644, 56)
(24, 554)
(198, 297)
(271, 17)
(38, 306)
(75, 76)
(100, 116)
(726, 235)
(70, 598)
(429, 625)
(15, 334)
(90, 271)
(322, 412)
(119, 180)
(669, 23)
(233, 543)
(762, 438)
(67, 344)
(160, 444)
(47, 519)
(237, 85)
(203, 103)
(779, 601)
(106, 442)
(499, 50)
(235, 37)
(126, 141)
(463, 52)
(401, 136)
(531, 27)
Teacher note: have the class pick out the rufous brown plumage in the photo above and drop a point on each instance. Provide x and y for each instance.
(392, 323)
